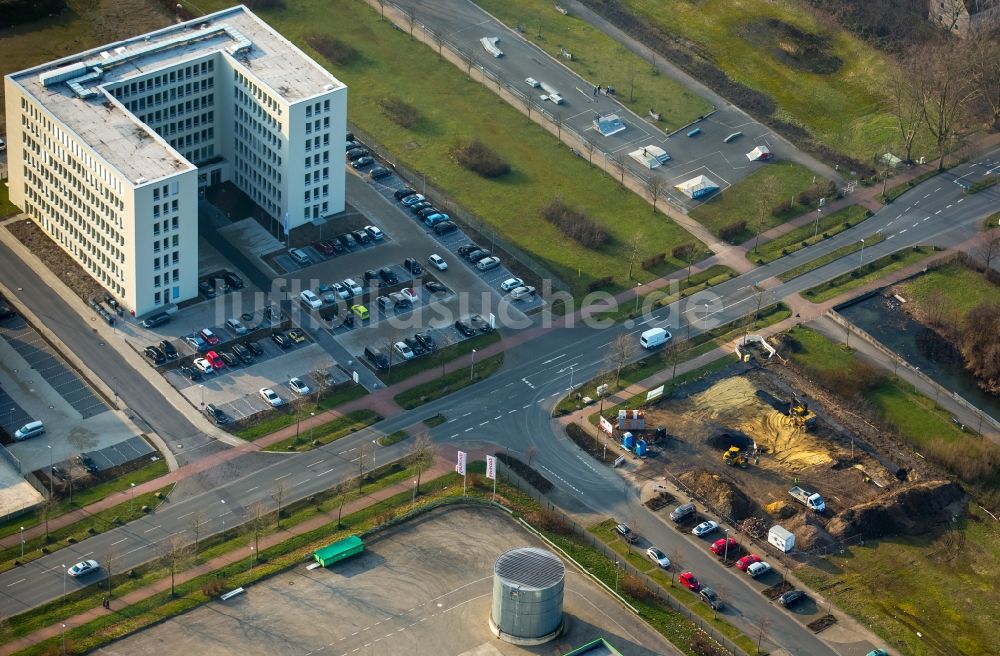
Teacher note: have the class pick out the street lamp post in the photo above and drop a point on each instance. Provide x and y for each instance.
(64, 639)
(50, 470)
(616, 576)
(413, 500)
(819, 213)
(311, 427)
(251, 561)
(64, 580)
(472, 366)
(131, 508)
(223, 516)
(374, 446)
(637, 297)
(22, 542)
(725, 555)
(862, 253)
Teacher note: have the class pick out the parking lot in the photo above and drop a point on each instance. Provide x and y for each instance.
(421, 588)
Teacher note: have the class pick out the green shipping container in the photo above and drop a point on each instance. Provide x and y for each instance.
(338, 551)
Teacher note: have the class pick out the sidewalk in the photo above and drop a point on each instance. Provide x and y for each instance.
(440, 466)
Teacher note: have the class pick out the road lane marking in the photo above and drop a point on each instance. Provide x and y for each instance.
(948, 207)
(555, 358)
(903, 230)
(484, 423)
(467, 414)
(253, 488)
(313, 464)
(132, 551)
(119, 542)
(497, 417)
(455, 435)
(148, 530)
(16, 582)
(526, 406)
(469, 429)
(938, 212)
(283, 476)
(325, 473)
(959, 200)
(889, 237)
(187, 515)
(511, 412)
(937, 190)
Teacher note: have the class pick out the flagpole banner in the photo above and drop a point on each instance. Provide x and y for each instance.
(606, 426)
(460, 464)
(491, 467)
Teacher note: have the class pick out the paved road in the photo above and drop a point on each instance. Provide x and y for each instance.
(512, 409)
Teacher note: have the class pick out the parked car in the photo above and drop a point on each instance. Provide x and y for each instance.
(376, 357)
(87, 463)
(236, 326)
(214, 360)
(466, 249)
(196, 342)
(746, 561)
(361, 236)
(83, 568)
(351, 144)
(400, 194)
(403, 350)
(758, 569)
(211, 338)
(362, 162)
(156, 320)
(422, 205)
(206, 289)
(282, 341)
(371, 274)
(434, 287)
(357, 153)
(412, 266)
(379, 172)
(438, 262)
(203, 365)
(298, 386)
(688, 580)
(465, 328)
(444, 228)
(243, 353)
(400, 301)
(341, 290)
(324, 246)
(426, 340)
(355, 288)
(433, 219)
(510, 284)
(190, 373)
(168, 349)
(415, 346)
(658, 557)
(479, 323)
(627, 533)
(270, 397)
(229, 358)
(520, 293)
(360, 311)
(233, 280)
(682, 513)
(704, 528)
(488, 263)
(348, 241)
(309, 298)
(374, 233)
(415, 198)
(154, 355)
(877, 652)
(388, 276)
(216, 414)
(296, 335)
(709, 596)
(59, 472)
(723, 546)
(299, 256)
(255, 349)
(791, 598)
(409, 293)
(426, 211)
(477, 255)
(384, 303)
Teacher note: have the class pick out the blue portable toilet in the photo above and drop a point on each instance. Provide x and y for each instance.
(628, 441)
(640, 448)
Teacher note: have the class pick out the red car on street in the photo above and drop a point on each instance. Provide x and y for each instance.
(214, 360)
(723, 545)
(688, 580)
(747, 561)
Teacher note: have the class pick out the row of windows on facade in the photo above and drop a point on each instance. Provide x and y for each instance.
(317, 107)
(258, 93)
(314, 125)
(171, 189)
(96, 244)
(245, 152)
(96, 174)
(93, 224)
(166, 260)
(165, 243)
(323, 174)
(323, 191)
(314, 160)
(173, 127)
(55, 175)
(208, 134)
(62, 231)
(252, 137)
(174, 93)
(250, 108)
(317, 211)
(180, 109)
(199, 155)
(258, 182)
(163, 299)
(173, 276)
(254, 192)
(167, 78)
(165, 226)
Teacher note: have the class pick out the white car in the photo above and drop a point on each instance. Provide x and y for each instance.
(410, 294)
(355, 288)
(404, 351)
(488, 263)
(658, 557)
(511, 284)
(310, 299)
(298, 386)
(341, 290)
(758, 569)
(203, 365)
(269, 395)
(704, 528)
(522, 292)
(438, 262)
(83, 567)
(374, 232)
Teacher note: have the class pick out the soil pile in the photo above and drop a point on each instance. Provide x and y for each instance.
(911, 510)
(721, 495)
(809, 531)
(780, 509)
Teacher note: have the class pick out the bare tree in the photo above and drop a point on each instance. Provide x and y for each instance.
(632, 70)
(672, 356)
(343, 491)
(528, 103)
(257, 519)
(411, 17)
(988, 250)
(618, 164)
(278, 494)
(762, 626)
(904, 102)
(321, 382)
(686, 254)
(656, 187)
(945, 91)
(110, 564)
(366, 451)
(620, 351)
(197, 520)
(983, 56)
(421, 455)
(439, 42)
(557, 118)
(174, 554)
(588, 147)
(634, 244)
(766, 194)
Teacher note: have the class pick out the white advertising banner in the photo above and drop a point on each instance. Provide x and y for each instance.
(491, 467)
(460, 464)
(606, 426)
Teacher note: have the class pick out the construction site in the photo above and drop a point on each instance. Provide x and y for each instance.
(761, 445)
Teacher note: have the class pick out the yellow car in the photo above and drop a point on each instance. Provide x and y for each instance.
(296, 336)
(361, 311)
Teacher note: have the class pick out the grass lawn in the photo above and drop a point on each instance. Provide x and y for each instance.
(278, 419)
(871, 271)
(402, 370)
(454, 110)
(958, 288)
(739, 202)
(450, 382)
(392, 438)
(992, 221)
(904, 585)
(328, 432)
(599, 59)
(841, 108)
(829, 225)
(6, 207)
(823, 260)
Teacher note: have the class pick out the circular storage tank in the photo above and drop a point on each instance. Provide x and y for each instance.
(527, 596)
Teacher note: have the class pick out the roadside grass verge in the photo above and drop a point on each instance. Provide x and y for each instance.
(435, 420)
(992, 221)
(950, 290)
(832, 256)
(400, 371)
(450, 382)
(279, 418)
(7, 208)
(393, 438)
(510, 204)
(328, 432)
(867, 273)
(984, 184)
(599, 59)
(833, 87)
(739, 202)
(677, 289)
(892, 193)
(829, 225)
(605, 531)
(87, 496)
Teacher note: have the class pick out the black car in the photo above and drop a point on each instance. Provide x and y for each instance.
(371, 274)
(357, 153)
(255, 349)
(388, 276)
(444, 228)
(400, 194)
(425, 212)
(465, 328)
(412, 266)
(362, 162)
(233, 280)
(351, 144)
(206, 288)
(422, 205)
(282, 341)
(243, 353)
(154, 355)
(230, 359)
(415, 346)
(379, 172)
(475, 256)
(791, 598)
(191, 373)
(350, 136)
(217, 415)
(434, 287)
(710, 597)
(6, 312)
(59, 472)
(348, 241)
(425, 340)
(482, 324)
(361, 236)
(87, 463)
(468, 248)
(349, 320)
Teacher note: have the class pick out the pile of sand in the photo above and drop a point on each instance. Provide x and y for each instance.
(780, 509)
(911, 510)
(809, 531)
(724, 497)
(730, 398)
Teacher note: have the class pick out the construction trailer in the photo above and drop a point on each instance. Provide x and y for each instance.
(338, 551)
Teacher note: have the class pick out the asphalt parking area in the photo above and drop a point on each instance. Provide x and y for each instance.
(50, 366)
(422, 588)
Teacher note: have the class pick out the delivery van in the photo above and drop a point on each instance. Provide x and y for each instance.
(654, 337)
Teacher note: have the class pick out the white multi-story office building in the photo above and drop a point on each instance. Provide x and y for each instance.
(107, 150)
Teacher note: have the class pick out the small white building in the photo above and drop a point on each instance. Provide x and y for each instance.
(760, 154)
(781, 537)
(608, 124)
(650, 156)
(697, 187)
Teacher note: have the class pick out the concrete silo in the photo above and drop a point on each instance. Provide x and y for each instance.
(527, 596)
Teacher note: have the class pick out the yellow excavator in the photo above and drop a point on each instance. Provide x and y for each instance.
(799, 411)
(736, 457)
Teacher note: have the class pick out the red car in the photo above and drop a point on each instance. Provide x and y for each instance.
(214, 360)
(722, 545)
(688, 580)
(747, 561)
(209, 336)
(324, 247)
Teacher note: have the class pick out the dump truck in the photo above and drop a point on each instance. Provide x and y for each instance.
(338, 551)
(812, 500)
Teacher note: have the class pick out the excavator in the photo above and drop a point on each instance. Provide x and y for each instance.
(799, 411)
(736, 457)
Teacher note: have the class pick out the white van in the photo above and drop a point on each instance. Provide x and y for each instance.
(29, 430)
(654, 337)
